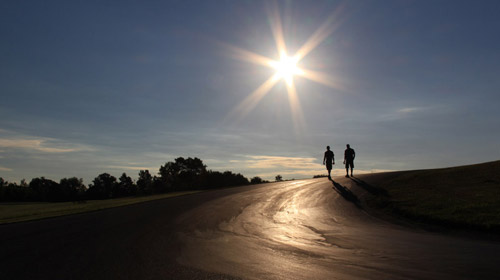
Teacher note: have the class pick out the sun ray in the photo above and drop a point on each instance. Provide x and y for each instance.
(249, 103)
(325, 30)
(321, 78)
(277, 30)
(295, 108)
(242, 54)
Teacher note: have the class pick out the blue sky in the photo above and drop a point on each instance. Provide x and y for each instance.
(89, 87)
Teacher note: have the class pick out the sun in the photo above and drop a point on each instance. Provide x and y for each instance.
(286, 67)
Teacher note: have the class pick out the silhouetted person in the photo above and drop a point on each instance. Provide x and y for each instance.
(329, 160)
(349, 156)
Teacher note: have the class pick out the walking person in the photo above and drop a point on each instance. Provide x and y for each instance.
(349, 156)
(329, 160)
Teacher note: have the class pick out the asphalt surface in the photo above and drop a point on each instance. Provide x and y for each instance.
(305, 229)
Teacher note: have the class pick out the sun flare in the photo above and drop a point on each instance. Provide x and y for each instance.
(286, 67)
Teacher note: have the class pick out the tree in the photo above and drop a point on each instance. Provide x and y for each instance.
(73, 188)
(23, 183)
(102, 187)
(46, 190)
(168, 174)
(159, 185)
(181, 174)
(14, 192)
(145, 182)
(125, 186)
(216, 179)
(256, 180)
(233, 179)
(279, 178)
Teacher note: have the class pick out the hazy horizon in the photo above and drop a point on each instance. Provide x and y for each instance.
(115, 87)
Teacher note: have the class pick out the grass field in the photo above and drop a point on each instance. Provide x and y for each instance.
(463, 197)
(19, 212)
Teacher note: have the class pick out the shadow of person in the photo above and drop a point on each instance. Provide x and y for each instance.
(345, 193)
(369, 188)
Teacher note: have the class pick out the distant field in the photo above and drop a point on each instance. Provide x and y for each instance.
(464, 197)
(19, 212)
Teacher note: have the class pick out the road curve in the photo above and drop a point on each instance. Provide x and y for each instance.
(304, 229)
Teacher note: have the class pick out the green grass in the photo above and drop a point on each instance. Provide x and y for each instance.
(463, 197)
(20, 212)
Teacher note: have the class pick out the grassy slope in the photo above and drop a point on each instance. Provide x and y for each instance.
(464, 197)
(19, 212)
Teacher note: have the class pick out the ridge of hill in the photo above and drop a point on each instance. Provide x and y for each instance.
(466, 197)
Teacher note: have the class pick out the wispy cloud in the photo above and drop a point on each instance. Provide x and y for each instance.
(406, 112)
(5, 169)
(41, 145)
(264, 162)
(266, 166)
(133, 168)
(430, 109)
(12, 140)
(410, 110)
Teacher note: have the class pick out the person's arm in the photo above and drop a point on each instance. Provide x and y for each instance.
(333, 158)
(353, 154)
(324, 158)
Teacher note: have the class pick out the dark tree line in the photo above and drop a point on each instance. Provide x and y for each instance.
(179, 175)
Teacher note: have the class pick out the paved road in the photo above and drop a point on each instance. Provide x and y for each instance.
(306, 229)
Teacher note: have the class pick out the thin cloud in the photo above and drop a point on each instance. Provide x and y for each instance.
(405, 112)
(432, 109)
(134, 168)
(269, 166)
(42, 145)
(299, 173)
(5, 169)
(410, 110)
(265, 162)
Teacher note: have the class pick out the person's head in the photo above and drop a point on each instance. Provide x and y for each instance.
(328, 148)
(348, 146)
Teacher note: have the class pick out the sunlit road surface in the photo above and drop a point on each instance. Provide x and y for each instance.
(301, 229)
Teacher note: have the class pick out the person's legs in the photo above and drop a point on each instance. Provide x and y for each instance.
(347, 165)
